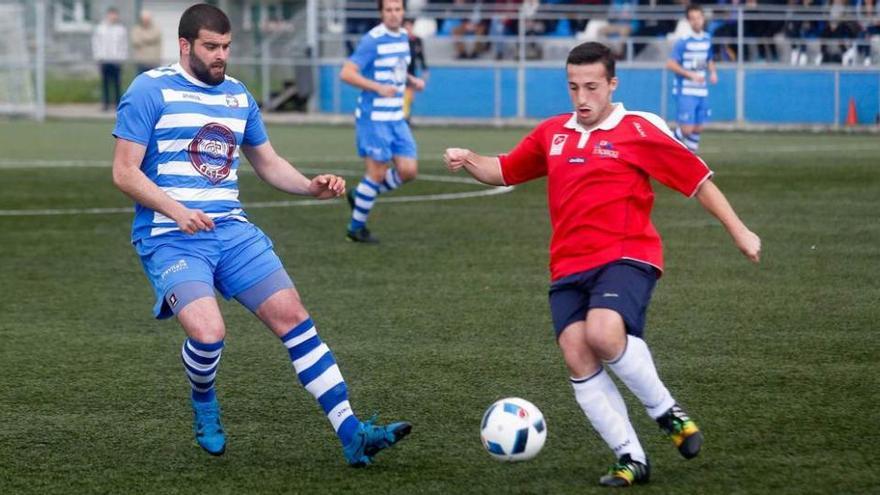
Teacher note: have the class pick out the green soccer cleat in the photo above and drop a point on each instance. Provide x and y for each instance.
(370, 439)
(626, 472)
(682, 430)
(207, 427)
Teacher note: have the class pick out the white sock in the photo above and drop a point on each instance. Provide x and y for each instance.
(636, 370)
(601, 402)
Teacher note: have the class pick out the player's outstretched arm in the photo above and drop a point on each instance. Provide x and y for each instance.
(714, 202)
(486, 169)
(280, 174)
(128, 177)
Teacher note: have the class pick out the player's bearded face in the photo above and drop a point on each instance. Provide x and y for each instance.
(392, 14)
(208, 55)
(590, 92)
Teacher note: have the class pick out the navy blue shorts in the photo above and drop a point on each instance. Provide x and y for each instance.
(624, 286)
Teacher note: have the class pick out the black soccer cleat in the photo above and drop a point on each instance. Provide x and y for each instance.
(682, 430)
(626, 472)
(363, 236)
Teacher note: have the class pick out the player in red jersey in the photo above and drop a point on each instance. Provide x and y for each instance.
(605, 255)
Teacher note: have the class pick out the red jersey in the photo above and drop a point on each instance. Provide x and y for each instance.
(598, 185)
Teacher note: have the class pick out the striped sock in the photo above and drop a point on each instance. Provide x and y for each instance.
(200, 362)
(364, 198)
(678, 134)
(319, 374)
(392, 181)
(692, 141)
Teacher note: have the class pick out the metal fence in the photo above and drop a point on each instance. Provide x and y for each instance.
(297, 46)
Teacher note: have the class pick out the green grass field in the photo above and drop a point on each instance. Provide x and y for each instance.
(777, 362)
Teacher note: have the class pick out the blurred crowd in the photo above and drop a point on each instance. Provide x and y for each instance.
(799, 32)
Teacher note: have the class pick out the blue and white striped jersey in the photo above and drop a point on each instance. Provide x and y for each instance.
(692, 52)
(382, 56)
(192, 133)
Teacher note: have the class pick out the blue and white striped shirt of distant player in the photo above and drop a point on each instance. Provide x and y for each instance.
(693, 53)
(192, 132)
(382, 56)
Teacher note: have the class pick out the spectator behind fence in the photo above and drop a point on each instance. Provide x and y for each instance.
(764, 30)
(146, 43)
(838, 36)
(110, 49)
(621, 24)
(798, 31)
(653, 27)
(472, 25)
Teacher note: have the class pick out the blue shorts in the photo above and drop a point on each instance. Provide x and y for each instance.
(232, 258)
(693, 110)
(380, 141)
(624, 286)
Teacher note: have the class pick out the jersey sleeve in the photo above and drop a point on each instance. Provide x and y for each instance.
(526, 161)
(364, 53)
(656, 152)
(255, 130)
(139, 110)
(677, 51)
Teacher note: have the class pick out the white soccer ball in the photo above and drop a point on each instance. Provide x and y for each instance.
(513, 429)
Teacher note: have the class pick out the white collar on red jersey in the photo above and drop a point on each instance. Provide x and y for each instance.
(609, 123)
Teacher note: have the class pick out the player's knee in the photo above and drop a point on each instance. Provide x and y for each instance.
(408, 173)
(208, 332)
(606, 334)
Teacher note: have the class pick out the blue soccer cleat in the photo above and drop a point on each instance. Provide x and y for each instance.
(369, 439)
(207, 427)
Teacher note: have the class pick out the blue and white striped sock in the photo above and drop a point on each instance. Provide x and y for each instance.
(200, 362)
(692, 141)
(392, 181)
(678, 134)
(319, 374)
(364, 198)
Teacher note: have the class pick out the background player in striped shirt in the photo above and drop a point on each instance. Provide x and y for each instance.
(178, 134)
(605, 255)
(691, 61)
(378, 67)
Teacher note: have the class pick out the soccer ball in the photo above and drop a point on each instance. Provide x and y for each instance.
(513, 429)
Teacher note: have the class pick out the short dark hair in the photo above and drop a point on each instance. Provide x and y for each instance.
(381, 4)
(202, 16)
(692, 7)
(592, 52)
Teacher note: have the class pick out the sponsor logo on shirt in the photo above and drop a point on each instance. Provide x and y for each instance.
(605, 150)
(186, 95)
(577, 160)
(557, 143)
(211, 151)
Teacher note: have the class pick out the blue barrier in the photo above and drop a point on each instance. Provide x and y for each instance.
(773, 96)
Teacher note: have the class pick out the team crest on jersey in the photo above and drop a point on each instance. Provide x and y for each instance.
(557, 143)
(605, 150)
(231, 101)
(211, 151)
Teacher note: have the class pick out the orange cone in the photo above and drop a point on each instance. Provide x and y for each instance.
(852, 117)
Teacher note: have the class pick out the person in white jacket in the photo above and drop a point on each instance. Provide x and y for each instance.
(110, 49)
